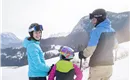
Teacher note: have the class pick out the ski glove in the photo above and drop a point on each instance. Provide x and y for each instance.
(50, 69)
(81, 56)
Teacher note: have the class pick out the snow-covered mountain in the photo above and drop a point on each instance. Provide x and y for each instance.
(9, 39)
(60, 34)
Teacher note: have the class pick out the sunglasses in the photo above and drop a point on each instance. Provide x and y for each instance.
(36, 28)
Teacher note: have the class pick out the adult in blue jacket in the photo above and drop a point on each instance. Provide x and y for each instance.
(100, 46)
(38, 70)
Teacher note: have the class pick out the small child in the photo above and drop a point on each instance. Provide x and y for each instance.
(64, 69)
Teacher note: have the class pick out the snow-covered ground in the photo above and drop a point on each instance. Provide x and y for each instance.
(120, 71)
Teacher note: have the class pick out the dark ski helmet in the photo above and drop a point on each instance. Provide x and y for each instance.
(34, 27)
(99, 14)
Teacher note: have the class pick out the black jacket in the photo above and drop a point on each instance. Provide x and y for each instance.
(65, 76)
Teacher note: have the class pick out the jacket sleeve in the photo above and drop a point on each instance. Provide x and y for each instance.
(89, 51)
(33, 53)
(93, 41)
(78, 73)
(52, 73)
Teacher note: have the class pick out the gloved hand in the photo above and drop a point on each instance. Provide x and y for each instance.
(50, 69)
(81, 56)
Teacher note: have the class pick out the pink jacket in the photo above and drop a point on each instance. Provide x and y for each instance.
(78, 73)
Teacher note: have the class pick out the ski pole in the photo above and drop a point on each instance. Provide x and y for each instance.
(80, 63)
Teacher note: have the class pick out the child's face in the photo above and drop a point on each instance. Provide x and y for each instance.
(37, 35)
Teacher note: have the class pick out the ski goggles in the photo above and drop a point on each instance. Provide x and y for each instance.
(36, 28)
(94, 16)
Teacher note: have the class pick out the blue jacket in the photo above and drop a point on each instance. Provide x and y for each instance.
(36, 61)
(104, 26)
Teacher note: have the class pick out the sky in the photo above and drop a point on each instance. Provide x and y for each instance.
(55, 15)
(0, 15)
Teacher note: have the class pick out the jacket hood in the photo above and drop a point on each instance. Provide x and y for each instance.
(26, 42)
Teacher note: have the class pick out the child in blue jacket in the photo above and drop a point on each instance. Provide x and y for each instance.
(38, 70)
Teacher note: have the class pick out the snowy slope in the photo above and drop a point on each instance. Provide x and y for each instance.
(120, 71)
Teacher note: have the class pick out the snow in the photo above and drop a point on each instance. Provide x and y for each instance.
(19, 55)
(17, 47)
(120, 71)
(120, 15)
(9, 37)
(63, 34)
(4, 54)
(21, 73)
(55, 52)
(120, 68)
(122, 50)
